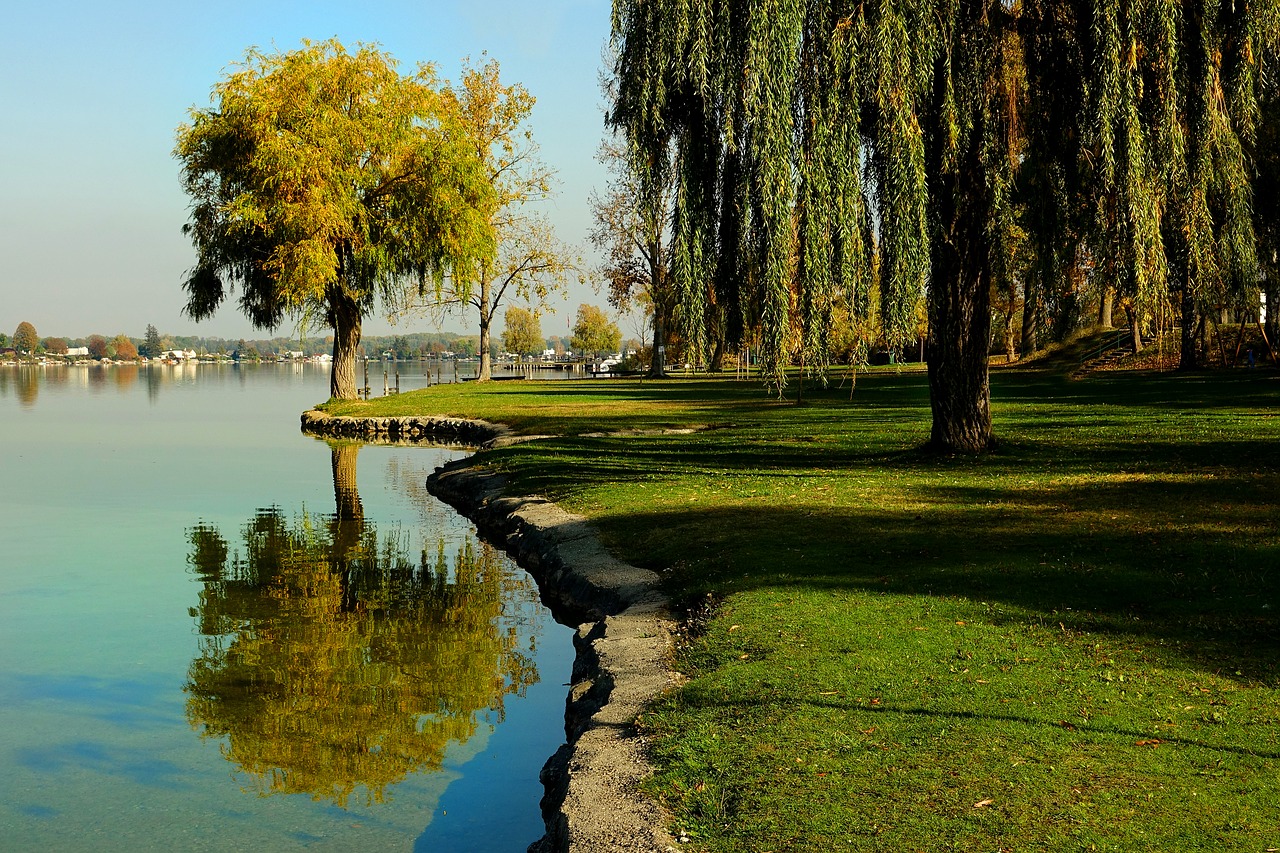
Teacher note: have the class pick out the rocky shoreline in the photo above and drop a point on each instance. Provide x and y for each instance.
(625, 634)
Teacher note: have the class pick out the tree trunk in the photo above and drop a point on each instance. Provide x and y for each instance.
(1272, 325)
(959, 330)
(657, 366)
(1135, 330)
(346, 318)
(1106, 307)
(1028, 318)
(959, 290)
(717, 356)
(486, 320)
(1188, 359)
(658, 297)
(1010, 352)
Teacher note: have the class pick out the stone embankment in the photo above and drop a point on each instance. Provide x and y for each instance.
(592, 800)
(408, 430)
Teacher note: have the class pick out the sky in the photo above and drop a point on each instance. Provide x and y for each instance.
(91, 94)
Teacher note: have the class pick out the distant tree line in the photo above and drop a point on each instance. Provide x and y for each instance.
(26, 341)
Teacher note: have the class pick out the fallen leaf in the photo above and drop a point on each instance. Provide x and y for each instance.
(982, 804)
(743, 657)
(1152, 742)
(829, 693)
(869, 731)
(734, 627)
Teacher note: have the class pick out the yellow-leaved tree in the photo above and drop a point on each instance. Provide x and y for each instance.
(325, 182)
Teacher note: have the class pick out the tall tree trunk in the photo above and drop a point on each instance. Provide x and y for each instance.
(657, 368)
(717, 354)
(486, 321)
(1272, 324)
(1106, 307)
(959, 291)
(1188, 360)
(1028, 318)
(1135, 329)
(346, 318)
(959, 332)
(1010, 352)
(658, 297)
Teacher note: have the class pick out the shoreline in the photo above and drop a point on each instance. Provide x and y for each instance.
(623, 643)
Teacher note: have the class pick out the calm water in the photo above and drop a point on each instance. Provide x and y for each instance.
(219, 634)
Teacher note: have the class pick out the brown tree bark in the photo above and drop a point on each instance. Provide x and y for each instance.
(486, 322)
(1188, 360)
(959, 329)
(959, 289)
(346, 318)
(1135, 330)
(1028, 344)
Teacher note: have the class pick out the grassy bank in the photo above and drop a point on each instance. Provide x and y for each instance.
(1069, 644)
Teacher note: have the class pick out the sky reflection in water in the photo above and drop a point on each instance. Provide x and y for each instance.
(303, 657)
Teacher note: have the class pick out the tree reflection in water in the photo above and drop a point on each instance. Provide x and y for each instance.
(331, 661)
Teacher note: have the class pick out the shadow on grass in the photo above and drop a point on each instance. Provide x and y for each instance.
(1139, 505)
(1203, 593)
(1097, 732)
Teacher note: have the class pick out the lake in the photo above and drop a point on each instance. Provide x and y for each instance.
(219, 634)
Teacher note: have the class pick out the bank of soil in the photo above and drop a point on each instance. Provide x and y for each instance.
(592, 800)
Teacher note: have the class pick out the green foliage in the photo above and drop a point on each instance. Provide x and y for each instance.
(991, 143)
(523, 333)
(25, 339)
(324, 181)
(594, 333)
(151, 347)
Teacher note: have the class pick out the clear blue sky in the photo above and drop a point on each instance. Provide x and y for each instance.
(91, 93)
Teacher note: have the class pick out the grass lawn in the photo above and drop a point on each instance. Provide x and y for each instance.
(1071, 643)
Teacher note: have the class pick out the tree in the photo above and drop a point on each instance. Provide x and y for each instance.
(151, 346)
(57, 346)
(632, 232)
(97, 345)
(523, 332)
(25, 339)
(594, 332)
(789, 128)
(324, 182)
(125, 348)
(530, 262)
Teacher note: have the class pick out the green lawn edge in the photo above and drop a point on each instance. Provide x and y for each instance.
(1070, 643)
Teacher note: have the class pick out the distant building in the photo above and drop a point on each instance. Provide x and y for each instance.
(178, 355)
(77, 352)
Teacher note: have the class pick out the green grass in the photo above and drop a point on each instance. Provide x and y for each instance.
(1070, 643)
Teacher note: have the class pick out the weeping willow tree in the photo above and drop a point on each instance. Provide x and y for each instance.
(821, 149)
